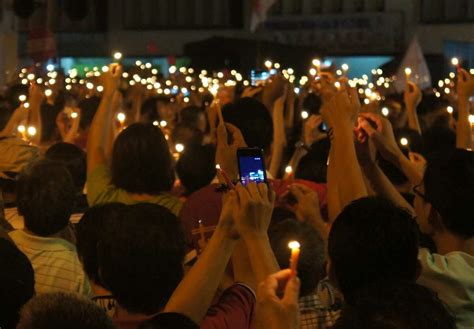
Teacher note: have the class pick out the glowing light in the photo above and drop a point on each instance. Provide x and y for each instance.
(48, 92)
(407, 71)
(288, 169)
(450, 109)
(345, 67)
(172, 69)
(117, 55)
(304, 115)
(74, 115)
(403, 141)
(21, 129)
(31, 131)
(179, 148)
(50, 67)
(100, 89)
(268, 64)
(121, 117)
(156, 123)
(455, 61)
(316, 62)
(471, 119)
(22, 98)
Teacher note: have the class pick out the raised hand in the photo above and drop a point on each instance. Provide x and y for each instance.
(276, 311)
(226, 153)
(111, 78)
(344, 107)
(254, 209)
(465, 87)
(311, 130)
(412, 96)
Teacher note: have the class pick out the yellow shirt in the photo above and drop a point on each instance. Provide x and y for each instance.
(101, 190)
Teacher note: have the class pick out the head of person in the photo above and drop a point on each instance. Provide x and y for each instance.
(63, 310)
(49, 131)
(311, 262)
(187, 135)
(89, 233)
(439, 138)
(18, 283)
(196, 168)
(395, 305)
(141, 160)
(195, 117)
(253, 120)
(372, 240)
(149, 110)
(444, 199)
(45, 197)
(313, 166)
(88, 108)
(73, 158)
(141, 256)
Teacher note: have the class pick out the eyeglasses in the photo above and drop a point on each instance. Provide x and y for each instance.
(417, 191)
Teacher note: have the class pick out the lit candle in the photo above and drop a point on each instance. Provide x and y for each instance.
(48, 92)
(345, 68)
(385, 111)
(304, 115)
(289, 174)
(407, 73)
(179, 148)
(22, 130)
(22, 98)
(201, 234)
(295, 254)
(74, 115)
(31, 131)
(317, 63)
(337, 84)
(405, 143)
(455, 62)
(163, 123)
(121, 119)
(450, 109)
(268, 64)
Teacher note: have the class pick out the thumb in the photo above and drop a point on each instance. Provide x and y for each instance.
(221, 135)
(367, 127)
(292, 291)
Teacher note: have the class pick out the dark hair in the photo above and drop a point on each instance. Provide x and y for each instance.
(187, 135)
(190, 115)
(63, 310)
(49, 131)
(141, 256)
(439, 138)
(395, 305)
(73, 158)
(89, 233)
(311, 261)
(149, 110)
(88, 108)
(141, 160)
(372, 240)
(449, 187)
(312, 103)
(45, 197)
(195, 167)
(253, 120)
(18, 283)
(313, 166)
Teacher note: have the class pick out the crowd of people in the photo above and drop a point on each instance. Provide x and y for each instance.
(122, 205)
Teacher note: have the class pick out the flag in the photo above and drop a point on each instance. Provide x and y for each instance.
(415, 60)
(259, 12)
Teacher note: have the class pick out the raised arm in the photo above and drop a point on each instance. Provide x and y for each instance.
(412, 97)
(19, 115)
(36, 97)
(463, 127)
(279, 137)
(100, 127)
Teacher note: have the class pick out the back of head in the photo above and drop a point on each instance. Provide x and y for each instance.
(253, 120)
(449, 187)
(89, 233)
(395, 305)
(187, 135)
(148, 110)
(45, 197)
(313, 166)
(141, 257)
(88, 108)
(63, 310)
(18, 283)
(141, 161)
(372, 240)
(196, 167)
(73, 158)
(439, 138)
(49, 128)
(311, 261)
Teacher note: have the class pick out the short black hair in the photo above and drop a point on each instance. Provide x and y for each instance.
(195, 167)
(149, 110)
(141, 257)
(311, 261)
(372, 240)
(74, 158)
(190, 115)
(438, 138)
(395, 305)
(49, 128)
(18, 283)
(63, 310)
(187, 135)
(46, 197)
(89, 233)
(253, 120)
(141, 160)
(313, 165)
(88, 108)
(449, 187)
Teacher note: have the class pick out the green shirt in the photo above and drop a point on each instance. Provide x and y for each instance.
(101, 190)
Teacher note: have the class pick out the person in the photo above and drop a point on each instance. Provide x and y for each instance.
(314, 312)
(443, 206)
(141, 166)
(195, 168)
(89, 234)
(195, 117)
(74, 159)
(395, 304)
(45, 198)
(62, 310)
(384, 245)
(18, 281)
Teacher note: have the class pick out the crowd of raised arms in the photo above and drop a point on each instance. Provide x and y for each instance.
(122, 204)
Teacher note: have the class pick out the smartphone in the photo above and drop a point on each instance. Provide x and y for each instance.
(251, 165)
(258, 77)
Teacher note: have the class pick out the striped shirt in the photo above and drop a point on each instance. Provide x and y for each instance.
(55, 262)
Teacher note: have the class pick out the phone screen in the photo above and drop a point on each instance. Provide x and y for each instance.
(251, 166)
(258, 76)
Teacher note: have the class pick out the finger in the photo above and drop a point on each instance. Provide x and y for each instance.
(243, 193)
(221, 135)
(263, 190)
(237, 137)
(292, 291)
(254, 193)
(354, 96)
(297, 192)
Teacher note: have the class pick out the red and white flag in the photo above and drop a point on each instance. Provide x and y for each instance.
(259, 12)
